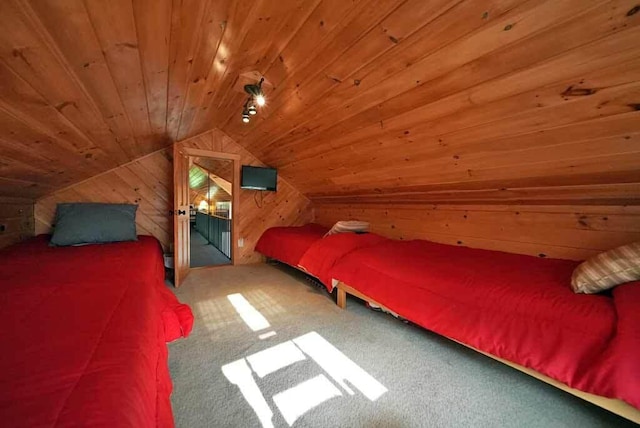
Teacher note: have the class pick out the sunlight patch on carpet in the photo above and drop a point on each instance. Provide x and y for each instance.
(250, 315)
(299, 399)
(275, 358)
(295, 402)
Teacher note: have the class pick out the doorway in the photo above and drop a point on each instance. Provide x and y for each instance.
(206, 198)
(210, 211)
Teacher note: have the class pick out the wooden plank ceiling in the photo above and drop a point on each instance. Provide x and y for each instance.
(432, 100)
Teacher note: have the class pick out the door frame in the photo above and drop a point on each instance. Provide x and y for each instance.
(235, 197)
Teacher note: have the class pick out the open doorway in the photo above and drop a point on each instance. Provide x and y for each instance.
(183, 159)
(210, 211)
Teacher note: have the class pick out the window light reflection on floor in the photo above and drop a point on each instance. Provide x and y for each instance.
(214, 314)
(298, 399)
(267, 335)
(295, 401)
(239, 373)
(275, 358)
(340, 367)
(250, 315)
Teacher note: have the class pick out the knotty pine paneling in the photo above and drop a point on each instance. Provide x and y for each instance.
(364, 98)
(510, 109)
(560, 231)
(258, 212)
(16, 220)
(148, 182)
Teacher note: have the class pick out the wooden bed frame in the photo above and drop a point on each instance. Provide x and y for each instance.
(613, 405)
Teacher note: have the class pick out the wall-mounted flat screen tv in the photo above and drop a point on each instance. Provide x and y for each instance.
(257, 178)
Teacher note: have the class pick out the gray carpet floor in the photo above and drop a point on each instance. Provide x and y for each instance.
(325, 367)
(203, 253)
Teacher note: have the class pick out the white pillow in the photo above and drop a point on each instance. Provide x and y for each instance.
(349, 226)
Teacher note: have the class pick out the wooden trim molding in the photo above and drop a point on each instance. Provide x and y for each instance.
(613, 405)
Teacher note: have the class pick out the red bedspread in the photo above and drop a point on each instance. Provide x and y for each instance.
(517, 307)
(617, 371)
(288, 244)
(84, 335)
(324, 253)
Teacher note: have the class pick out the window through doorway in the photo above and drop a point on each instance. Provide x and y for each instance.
(210, 216)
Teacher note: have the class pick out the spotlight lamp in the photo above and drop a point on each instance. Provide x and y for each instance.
(246, 112)
(256, 96)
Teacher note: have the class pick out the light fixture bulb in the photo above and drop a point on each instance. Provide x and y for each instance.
(261, 100)
(245, 116)
(252, 110)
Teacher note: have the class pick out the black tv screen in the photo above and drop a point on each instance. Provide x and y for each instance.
(257, 178)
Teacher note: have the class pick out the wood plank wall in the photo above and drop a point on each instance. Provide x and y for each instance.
(16, 220)
(562, 231)
(148, 182)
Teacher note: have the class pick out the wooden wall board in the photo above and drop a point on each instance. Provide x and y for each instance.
(598, 194)
(16, 220)
(561, 231)
(257, 211)
(131, 183)
(148, 182)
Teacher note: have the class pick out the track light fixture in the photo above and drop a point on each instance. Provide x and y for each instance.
(246, 111)
(256, 96)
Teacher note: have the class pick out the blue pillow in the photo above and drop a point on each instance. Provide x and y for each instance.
(91, 223)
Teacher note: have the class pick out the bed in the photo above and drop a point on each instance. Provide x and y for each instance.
(288, 244)
(309, 248)
(323, 254)
(85, 332)
(514, 307)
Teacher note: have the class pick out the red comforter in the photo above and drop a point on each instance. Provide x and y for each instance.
(324, 253)
(517, 307)
(84, 335)
(288, 244)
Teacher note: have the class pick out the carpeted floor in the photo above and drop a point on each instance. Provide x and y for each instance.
(203, 253)
(325, 367)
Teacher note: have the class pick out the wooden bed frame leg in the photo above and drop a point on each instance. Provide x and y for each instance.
(341, 298)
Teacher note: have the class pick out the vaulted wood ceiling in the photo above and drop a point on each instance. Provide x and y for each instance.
(430, 99)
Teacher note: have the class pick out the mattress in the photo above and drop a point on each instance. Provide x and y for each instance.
(516, 307)
(84, 337)
(288, 244)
